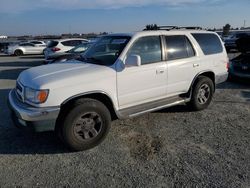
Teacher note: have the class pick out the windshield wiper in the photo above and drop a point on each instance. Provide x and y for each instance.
(94, 59)
(91, 60)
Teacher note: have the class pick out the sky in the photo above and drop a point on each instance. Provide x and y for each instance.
(39, 17)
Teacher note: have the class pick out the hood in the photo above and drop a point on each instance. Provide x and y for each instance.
(62, 55)
(55, 55)
(63, 74)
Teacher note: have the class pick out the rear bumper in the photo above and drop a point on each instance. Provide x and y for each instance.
(23, 115)
(220, 78)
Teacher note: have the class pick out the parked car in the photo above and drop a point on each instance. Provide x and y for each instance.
(230, 43)
(25, 49)
(120, 76)
(240, 65)
(71, 54)
(62, 45)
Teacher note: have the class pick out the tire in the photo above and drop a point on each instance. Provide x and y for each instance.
(202, 94)
(85, 125)
(18, 52)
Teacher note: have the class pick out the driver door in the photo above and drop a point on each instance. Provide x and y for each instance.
(146, 82)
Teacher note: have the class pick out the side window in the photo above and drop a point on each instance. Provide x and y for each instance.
(71, 43)
(148, 48)
(209, 43)
(178, 47)
(76, 42)
(27, 44)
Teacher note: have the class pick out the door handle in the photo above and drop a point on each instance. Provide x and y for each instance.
(160, 71)
(196, 65)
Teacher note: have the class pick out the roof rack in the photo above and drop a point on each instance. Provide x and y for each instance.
(168, 28)
(192, 28)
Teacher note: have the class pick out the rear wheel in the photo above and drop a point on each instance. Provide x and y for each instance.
(86, 124)
(18, 53)
(203, 91)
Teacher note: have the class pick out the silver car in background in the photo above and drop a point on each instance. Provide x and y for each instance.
(27, 48)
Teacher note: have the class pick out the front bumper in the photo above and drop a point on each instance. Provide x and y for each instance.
(220, 78)
(24, 115)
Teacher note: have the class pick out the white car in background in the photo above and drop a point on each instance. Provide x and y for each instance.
(62, 45)
(26, 48)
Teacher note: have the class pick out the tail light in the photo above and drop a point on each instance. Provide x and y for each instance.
(228, 65)
(55, 49)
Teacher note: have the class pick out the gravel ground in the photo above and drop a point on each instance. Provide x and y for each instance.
(168, 148)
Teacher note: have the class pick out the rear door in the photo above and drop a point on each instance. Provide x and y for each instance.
(29, 48)
(182, 62)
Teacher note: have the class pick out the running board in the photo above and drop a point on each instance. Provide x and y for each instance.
(151, 106)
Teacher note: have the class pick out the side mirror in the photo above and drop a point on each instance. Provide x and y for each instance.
(133, 60)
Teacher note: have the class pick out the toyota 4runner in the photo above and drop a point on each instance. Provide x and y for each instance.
(120, 76)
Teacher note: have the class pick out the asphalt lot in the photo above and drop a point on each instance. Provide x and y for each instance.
(168, 148)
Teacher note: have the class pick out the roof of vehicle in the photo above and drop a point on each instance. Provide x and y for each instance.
(66, 39)
(161, 32)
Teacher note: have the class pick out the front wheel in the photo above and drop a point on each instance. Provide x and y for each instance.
(203, 91)
(18, 53)
(86, 125)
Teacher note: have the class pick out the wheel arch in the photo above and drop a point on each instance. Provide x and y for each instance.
(210, 74)
(97, 95)
(19, 49)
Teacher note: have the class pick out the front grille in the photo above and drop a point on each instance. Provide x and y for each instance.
(19, 87)
(20, 91)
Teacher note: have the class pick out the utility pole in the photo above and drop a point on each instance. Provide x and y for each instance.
(244, 24)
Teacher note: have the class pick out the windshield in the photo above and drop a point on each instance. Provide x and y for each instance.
(106, 50)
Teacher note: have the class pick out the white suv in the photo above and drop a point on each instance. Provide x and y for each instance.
(120, 76)
(62, 45)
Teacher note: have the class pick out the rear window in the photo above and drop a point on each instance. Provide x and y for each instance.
(209, 43)
(52, 44)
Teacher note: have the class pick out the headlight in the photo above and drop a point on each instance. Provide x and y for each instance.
(35, 96)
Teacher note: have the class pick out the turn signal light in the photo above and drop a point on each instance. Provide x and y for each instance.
(42, 96)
